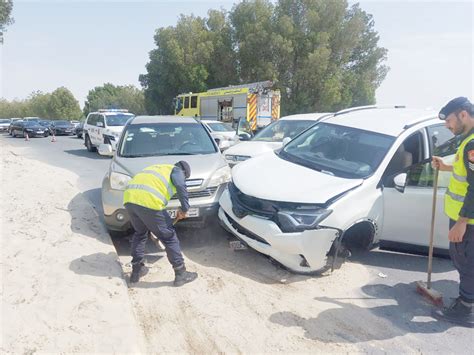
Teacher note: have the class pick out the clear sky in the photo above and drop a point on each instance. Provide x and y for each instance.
(83, 44)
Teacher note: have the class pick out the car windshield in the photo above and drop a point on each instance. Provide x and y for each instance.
(44, 123)
(220, 127)
(62, 122)
(166, 139)
(30, 123)
(4, 120)
(338, 150)
(278, 130)
(117, 119)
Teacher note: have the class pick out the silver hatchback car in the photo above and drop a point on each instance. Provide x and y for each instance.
(148, 140)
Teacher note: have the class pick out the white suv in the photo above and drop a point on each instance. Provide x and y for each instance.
(104, 126)
(361, 176)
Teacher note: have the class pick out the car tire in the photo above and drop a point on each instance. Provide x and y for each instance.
(13, 134)
(89, 145)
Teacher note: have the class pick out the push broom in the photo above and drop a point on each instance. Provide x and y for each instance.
(423, 288)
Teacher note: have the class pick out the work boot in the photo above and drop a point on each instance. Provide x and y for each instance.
(138, 270)
(181, 276)
(459, 312)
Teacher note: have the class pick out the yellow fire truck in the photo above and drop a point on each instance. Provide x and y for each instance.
(256, 102)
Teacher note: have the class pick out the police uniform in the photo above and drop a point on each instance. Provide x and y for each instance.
(145, 198)
(459, 203)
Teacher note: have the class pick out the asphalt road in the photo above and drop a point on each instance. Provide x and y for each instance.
(393, 274)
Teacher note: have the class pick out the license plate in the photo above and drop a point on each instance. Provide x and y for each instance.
(192, 212)
(40, 132)
(237, 245)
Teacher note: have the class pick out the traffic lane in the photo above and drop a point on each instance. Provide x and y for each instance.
(68, 152)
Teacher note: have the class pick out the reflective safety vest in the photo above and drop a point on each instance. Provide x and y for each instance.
(457, 189)
(152, 188)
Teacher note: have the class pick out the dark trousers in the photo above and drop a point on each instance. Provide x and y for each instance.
(462, 255)
(159, 223)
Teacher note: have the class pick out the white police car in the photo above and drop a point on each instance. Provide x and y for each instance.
(104, 126)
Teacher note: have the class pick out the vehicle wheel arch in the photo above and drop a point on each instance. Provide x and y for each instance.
(361, 234)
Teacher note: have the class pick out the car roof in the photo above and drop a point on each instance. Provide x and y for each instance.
(306, 116)
(111, 113)
(390, 120)
(162, 119)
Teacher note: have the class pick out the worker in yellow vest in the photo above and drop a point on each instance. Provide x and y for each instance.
(458, 115)
(145, 199)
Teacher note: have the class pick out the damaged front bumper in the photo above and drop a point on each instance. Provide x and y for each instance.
(301, 252)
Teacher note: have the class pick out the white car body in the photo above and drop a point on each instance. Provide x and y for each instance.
(366, 210)
(97, 130)
(249, 149)
(220, 136)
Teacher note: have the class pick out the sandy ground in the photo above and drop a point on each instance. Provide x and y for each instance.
(62, 287)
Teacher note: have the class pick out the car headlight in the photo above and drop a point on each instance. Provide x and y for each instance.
(221, 176)
(119, 181)
(232, 157)
(297, 221)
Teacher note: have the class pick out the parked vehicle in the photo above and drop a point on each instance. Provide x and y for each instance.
(62, 127)
(272, 137)
(221, 132)
(79, 130)
(30, 128)
(75, 123)
(47, 124)
(104, 126)
(149, 140)
(256, 102)
(4, 124)
(13, 122)
(359, 177)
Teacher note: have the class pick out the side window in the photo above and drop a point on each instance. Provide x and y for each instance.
(422, 175)
(186, 102)
(438, 135)
(100, 118)
(92, 120)
(410, 152)
(194, 101)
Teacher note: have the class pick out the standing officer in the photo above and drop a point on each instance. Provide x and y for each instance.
(459, 206)
(145, 199)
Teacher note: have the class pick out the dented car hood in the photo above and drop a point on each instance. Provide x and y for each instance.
(271, 178)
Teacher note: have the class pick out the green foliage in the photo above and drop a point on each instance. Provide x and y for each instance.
(60, 104)
(6, 7)
(322, 55)
(110, 96)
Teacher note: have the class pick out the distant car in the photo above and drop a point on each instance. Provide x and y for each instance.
(4, 124)
(75, 123)
(46, 124)
(62, 127)
(221, 132)
(272, 136)
(37, 119)
(12, 124)
(79, 130)
(30, 128)
(104, 126)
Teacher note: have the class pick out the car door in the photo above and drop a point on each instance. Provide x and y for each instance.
(99, 129)
(407, 213)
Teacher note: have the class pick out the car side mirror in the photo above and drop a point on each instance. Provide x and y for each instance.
(244, 136)
(100, 124)
(106, 150)
(286, 140)
(400, 182)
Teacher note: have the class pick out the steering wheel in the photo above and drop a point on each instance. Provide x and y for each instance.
(187, 143)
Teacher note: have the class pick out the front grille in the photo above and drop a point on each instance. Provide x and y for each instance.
(244, 231)
(243, 205)
(198, 194)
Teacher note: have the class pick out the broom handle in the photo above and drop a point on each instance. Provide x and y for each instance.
(433, 214)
